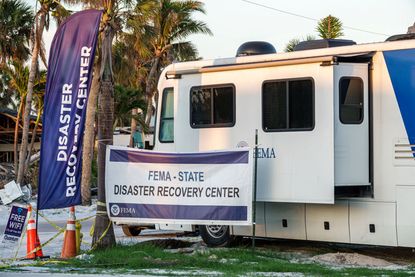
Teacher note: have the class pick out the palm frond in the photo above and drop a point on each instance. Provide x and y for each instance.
(330, 27)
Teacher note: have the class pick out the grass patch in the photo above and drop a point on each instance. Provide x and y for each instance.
(145, 258)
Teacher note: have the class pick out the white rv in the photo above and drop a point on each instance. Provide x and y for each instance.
(336, 131)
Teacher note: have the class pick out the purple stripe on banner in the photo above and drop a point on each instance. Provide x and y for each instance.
(191, 212)
(229, 157)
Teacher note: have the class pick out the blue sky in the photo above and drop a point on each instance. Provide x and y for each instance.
(236, 21)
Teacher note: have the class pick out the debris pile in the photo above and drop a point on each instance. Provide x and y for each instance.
(7, 174)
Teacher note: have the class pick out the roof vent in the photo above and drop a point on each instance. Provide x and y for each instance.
(401, 37)
(322, 43)
(251, 48)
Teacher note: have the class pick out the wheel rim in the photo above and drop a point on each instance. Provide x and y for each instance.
(217, 231)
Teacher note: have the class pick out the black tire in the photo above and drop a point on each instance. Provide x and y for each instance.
(131, 231)
(215, 235)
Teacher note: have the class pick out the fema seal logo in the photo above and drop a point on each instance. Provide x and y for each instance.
(242, 144)
(115, 210)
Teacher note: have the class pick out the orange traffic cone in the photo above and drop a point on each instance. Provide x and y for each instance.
(33, 241)
(69, 240)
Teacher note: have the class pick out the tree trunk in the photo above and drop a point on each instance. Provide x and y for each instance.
(149, 112)
(89, 137)
(134, 113)
(151, 86)
(103, 227)
(32, 142)
(16, 134)
(29, 95)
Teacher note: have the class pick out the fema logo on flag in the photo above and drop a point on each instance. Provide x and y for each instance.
(115, 210)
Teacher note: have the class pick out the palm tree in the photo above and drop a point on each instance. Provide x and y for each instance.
(6, 93)
(125, 64)
(126, 99)
(292, 43)
(18, 75)
(171, 22)
(183, 52)
(295, 41)
(16, 19)
(330, 27)
(173, 17)
(41, 23)
(113, 16)
(103, 232)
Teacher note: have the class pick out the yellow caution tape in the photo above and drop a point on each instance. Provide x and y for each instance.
(51, 223)
(60, 231)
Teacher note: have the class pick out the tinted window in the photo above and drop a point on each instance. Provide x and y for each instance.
(288, 105)
(351, 100)
(301, 104)
(167, 116)
(275, 105)
(212, 106)
(223, 105)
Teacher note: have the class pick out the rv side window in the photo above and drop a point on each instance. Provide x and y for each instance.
(167, 116)
(351, 100)
(288, 105)
(212, 106)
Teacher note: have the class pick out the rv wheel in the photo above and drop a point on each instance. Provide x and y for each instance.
(215, 235)
(131, 231)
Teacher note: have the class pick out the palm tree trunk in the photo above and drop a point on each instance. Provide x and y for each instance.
(89, 137)
(29, 95)
(151, 86)
(16, 133)
(103, 226)
(149, 110)
(32, 142)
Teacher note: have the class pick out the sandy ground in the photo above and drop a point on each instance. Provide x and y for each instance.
(351, 259)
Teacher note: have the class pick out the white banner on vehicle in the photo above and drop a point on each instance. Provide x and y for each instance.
(179, 188)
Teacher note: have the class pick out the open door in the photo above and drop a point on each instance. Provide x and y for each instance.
(351, 124)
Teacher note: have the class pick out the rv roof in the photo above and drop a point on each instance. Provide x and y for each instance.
(306, 56)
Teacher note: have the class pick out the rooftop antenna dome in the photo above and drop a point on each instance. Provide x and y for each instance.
(251, 48)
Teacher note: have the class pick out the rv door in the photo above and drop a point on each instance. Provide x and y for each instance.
(351, 124)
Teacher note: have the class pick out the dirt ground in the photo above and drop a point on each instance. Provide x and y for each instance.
(394, 255)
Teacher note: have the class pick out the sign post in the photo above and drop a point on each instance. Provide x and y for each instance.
(255, 185)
